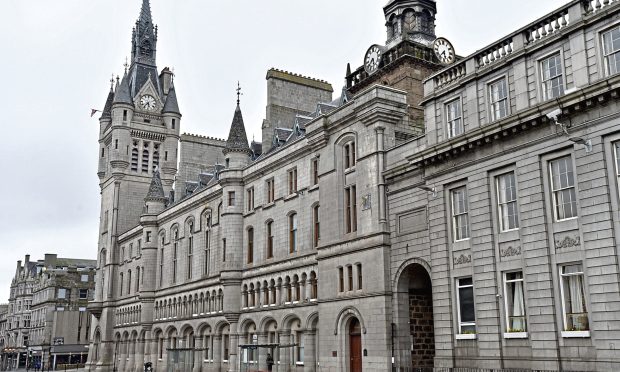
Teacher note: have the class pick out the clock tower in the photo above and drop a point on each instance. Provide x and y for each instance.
(138, 142)
(411, 53)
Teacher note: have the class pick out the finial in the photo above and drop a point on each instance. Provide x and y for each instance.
(112, 83)
(126, 64)
(118, 79)
(238, 93)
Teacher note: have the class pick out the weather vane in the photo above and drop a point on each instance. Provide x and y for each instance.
(112, 82)
(238, 93)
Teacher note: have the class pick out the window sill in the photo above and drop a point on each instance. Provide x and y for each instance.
(349, 170)
(291, 196)
(575, 334)
(313, 187)
(249, 213)
(269, 205)
(515, 335)
(468, 336)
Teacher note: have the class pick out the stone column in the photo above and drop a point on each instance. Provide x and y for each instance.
(233, 350)
(278, 294)
(309, 350)
(131, 355)
(122, 356)
(285, 353)
(262, 353)
(307, 284)
(217, 353)
(198, 354)
(139, 358)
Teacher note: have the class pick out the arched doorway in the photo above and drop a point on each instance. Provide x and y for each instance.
(415, 336)
(355, 346)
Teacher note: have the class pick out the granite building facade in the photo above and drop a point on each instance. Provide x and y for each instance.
(438, 212)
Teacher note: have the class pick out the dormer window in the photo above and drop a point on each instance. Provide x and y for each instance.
(349, 155)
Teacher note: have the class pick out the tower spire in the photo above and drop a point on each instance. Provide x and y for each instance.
(145, 13)
(238, 93)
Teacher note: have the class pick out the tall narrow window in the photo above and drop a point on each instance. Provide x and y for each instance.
(270, 191)
(175, 255)
(574, 298)
(507, 202)
(611, 50)
(134, 159)
(103, 152)
(145, 157)
(137, 279)
(121, 284)
(315, 171)
(156, 158)
(317, 226)
(350, 277)
(460, 214)
(454, 118)
(190, 251)
(231, 198)
(552, 77)
(349, 155)
(250, 193)
(124, 115)
(340, 279)
(116, 144)
(207, 247)
(466, 309)
(224, 250)
(161, 263)
(292, 181)
(250, 245)
(515, 303)
(299, 340)
(270, 239)
(359, 275)
(563, 188)
(292, 233)
(498, 98)
(174, 123)
(350, 201)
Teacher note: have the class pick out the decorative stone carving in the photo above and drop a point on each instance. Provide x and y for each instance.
(510, 251)
(567, 242)
(462, 259)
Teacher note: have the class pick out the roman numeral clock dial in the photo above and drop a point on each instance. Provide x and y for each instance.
(444, 51)
(148, 103)
(372, 60)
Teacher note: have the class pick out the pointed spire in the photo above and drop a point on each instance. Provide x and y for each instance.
(145, 14)
(107, 109)
(122, 94)
(172, 105)
(237, 138)
(156, 190)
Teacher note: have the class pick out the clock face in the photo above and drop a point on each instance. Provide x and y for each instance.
(373, 59)
(148, 102)
(444, 51)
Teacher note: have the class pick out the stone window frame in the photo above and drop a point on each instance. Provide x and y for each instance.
(507, 333)
(293, 232)
(539, 73)
(448, 127)
(292, 178)
(600, 45)
(269, 239)
(250, 196)
(460, 324)
(451, 209)
(574, 333)
(270, 187)
(493, 81)
(554, 192)
(613, 174)
(497, 203)
(314, 169)
(250, 244)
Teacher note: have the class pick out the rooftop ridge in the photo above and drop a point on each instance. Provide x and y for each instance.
(302, 79)
(201, 136)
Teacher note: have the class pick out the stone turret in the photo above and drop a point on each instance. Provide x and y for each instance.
(412, 20)
(237, 152)
(155, 200)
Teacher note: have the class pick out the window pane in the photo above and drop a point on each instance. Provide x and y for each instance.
(466, 304)
(575, 310)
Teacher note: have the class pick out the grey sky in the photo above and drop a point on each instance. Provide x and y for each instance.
(57, 56)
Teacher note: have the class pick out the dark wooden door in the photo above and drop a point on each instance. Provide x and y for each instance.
(355, 344)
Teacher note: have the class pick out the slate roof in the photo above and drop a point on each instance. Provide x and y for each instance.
(237, 138)
(122, 94)
(156, 190)
(171, 105)
(257, 149)
(107, 109)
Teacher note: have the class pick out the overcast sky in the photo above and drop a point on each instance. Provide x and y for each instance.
(57, 57)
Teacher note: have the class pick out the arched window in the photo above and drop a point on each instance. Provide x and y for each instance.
(161, 260)
(175, 254)
(207, 253)
(269, 239)
(155, 157)
(120, 284)
(349, 156)
(137, 279)
(129, 282)
(250, 245)
(292, 232)
(314, 288)
(190, 248)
